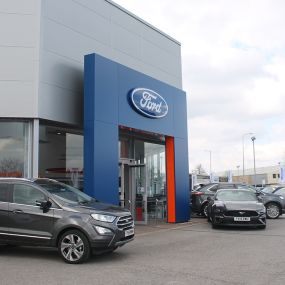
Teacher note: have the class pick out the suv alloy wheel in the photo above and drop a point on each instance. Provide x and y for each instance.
(74, 247)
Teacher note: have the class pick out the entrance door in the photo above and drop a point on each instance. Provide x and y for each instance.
(132, 189)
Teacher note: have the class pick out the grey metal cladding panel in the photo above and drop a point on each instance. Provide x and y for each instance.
(69, 43)
(120, 18)
(17, 99)
(101, 7)
(59, 104)
(78, 18)
(18, 30)
(161, 75)
(160, 40)
(126, 42)
(17, 63)
(19, 6)
(155, 56)
(61, 71)
(146, 68)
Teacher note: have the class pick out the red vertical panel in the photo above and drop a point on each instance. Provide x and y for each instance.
(170, 173)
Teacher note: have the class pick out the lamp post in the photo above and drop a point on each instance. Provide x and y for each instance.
(238, 166)
(210, 152)
(253, 139)
(243, 153)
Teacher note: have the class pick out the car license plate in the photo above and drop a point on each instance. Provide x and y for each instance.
(242, 219)
(129, 232)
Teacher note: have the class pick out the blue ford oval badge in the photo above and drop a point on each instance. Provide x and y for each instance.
(149, 103)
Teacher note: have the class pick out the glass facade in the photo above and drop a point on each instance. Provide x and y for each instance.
(61, 154)
(142, 175)
(15, 145)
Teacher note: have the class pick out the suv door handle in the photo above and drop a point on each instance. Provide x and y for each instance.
(17, 211)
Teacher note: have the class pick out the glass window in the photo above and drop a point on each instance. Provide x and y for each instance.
(280, 192)
(61, 154)
(14, 160)
(236, 195)
(213, 188)
(28, 195)
(4, 188)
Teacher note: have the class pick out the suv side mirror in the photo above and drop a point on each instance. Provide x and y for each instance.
(45, 205)
(209, 199)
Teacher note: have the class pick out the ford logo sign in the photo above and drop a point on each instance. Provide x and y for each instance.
(148, 103)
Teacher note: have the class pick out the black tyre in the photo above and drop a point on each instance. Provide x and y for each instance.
(204, 211)
(208, 218)
(214, 226)
(74, 247)
(272, 210)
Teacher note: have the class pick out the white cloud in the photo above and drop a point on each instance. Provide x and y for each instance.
(233, 58)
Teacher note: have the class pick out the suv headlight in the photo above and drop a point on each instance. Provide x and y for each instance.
(103, 218)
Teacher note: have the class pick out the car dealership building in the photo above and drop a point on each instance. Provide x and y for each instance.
(92, 95)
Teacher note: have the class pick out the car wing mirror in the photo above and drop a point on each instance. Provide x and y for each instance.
(44, 205)
(209, 199)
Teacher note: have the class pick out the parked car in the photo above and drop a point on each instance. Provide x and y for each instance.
(236, 208)
(199, 197)
(44, 212)
(271, 188)
(280, 191)
(275, 204)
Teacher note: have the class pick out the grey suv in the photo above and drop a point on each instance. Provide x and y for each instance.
(45, 212)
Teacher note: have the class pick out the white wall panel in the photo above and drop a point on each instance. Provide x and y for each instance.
(19, 46)
(17, 30)
(60, 104)
(72, 28)
(69, 43)
(61, 71)
(126, 42)
(19, 6)
(100, 7)
(78, 18)
(17, 100)
(17, 63)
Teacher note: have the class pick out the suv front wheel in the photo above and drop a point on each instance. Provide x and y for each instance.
(74, 247)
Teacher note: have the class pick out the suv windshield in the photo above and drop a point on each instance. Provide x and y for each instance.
(64, 192)
(235, 195)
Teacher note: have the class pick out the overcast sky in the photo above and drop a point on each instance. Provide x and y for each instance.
(233, 65)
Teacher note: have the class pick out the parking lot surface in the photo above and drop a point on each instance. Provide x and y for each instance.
(190, 253)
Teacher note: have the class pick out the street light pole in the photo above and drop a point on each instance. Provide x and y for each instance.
(253, 139)
(238, 166)
(243, 153)
(210, 152)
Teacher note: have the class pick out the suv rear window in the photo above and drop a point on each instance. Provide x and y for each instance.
(4, 194)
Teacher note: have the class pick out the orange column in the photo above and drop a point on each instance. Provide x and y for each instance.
(170, 173)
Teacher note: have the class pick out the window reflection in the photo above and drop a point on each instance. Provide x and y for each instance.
(14, 149)
(61, 154)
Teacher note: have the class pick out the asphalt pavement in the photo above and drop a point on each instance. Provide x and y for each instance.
(190, 253)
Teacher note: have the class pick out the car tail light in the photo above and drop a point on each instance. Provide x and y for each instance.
(197, 193)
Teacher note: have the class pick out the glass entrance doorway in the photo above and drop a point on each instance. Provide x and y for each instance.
(132, 189)
(142, 176)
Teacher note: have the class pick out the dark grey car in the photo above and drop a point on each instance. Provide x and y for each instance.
(275, 204)
(236, 208)
(199, 197)
(45, 212)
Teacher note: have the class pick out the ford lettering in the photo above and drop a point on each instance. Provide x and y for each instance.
(148, 103)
